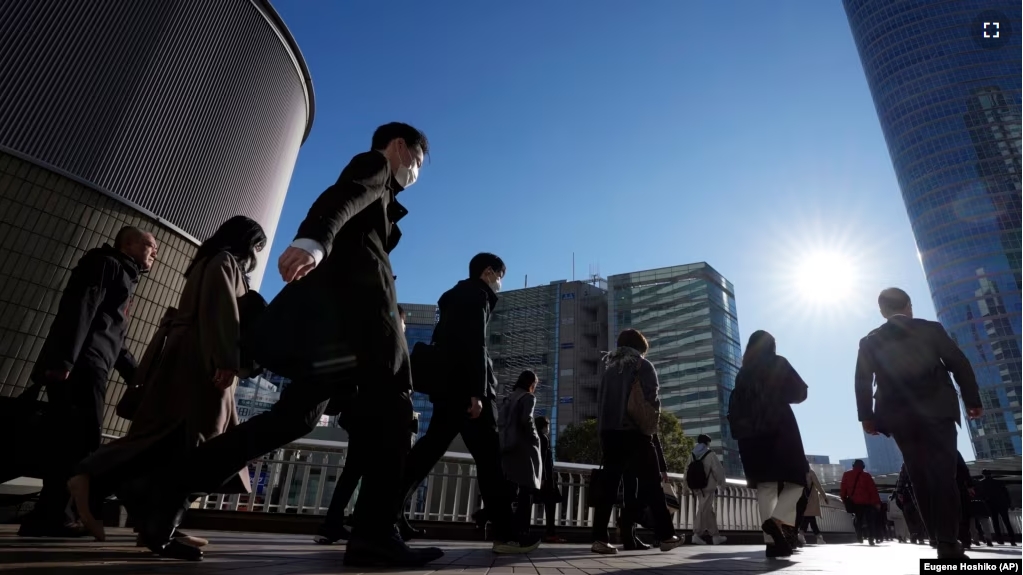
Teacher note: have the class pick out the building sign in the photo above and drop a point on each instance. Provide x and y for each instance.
(568, 296)
(566, 399)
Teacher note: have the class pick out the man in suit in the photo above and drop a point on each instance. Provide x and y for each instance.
(86, 342)
(994, 493)
(467, 404)
(333, 328)
(915, 402)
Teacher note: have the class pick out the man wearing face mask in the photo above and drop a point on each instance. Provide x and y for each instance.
(467, 404)
(332, 330)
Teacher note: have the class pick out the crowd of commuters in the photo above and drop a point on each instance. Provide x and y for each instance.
(353, 361)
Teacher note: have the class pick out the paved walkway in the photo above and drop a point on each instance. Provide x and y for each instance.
(266, 554)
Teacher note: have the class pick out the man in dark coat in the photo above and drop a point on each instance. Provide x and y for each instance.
(334, 326)
(86, 342)
(916, 403)
(994, 493)
(468, 403)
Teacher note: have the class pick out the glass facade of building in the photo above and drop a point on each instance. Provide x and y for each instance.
(884, 455)
(688, 315)
(419, 323)
(948, 100)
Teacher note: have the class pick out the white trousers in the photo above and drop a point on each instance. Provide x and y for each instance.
(779, 505)
(706, 519)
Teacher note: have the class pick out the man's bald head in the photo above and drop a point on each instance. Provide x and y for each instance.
(138, 245)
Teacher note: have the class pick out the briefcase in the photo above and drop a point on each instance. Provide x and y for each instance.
(33, 431)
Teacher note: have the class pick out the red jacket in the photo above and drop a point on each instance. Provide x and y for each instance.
(866, 489)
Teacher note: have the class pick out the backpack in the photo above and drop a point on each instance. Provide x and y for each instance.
(696, 475)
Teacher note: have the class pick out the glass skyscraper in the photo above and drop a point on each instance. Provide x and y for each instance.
(420, 320)
(945, 79)
(688, 315)
(884, 455)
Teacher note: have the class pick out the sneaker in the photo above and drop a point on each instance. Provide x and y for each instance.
(527, 544)
(329, 536)
(602, 548)
(698, 539)
(801, 539)
(820, 540)
(670, 543)
(718, 539)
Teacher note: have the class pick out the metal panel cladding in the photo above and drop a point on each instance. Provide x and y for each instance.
(191, 109)
(945, 78)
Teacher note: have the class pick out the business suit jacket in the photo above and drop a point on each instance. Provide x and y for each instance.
(344, 313)
(909, 361)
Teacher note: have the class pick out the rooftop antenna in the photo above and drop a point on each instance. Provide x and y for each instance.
(526, 284)
(573, 266)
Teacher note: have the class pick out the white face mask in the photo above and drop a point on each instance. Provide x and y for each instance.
(407, 175)
(495, 285)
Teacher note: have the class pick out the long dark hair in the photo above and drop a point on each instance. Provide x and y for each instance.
(526, 380)
(761, 347)
(240, 236)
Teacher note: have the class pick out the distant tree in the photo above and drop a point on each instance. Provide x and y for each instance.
(580, 443)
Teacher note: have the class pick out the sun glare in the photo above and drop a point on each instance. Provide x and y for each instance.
(825, 278)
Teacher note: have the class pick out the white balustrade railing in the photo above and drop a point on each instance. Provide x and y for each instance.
(300, 478)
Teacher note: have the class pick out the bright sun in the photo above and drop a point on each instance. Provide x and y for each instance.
(826, 278)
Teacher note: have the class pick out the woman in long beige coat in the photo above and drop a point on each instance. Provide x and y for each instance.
(189, 373)
(813, 505)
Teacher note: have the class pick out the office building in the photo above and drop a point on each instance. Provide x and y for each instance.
(819, 459)
(557, 331)
(688, 314)
(884, 454)
(945, 80)
(847, 464)
(169, 116)
(828, 473)
(254, 396)
(420, 320)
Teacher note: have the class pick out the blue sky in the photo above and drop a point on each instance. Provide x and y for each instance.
(636, 135)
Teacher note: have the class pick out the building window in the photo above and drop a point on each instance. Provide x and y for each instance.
(568, 345)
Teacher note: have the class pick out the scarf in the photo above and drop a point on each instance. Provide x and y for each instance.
(621, 358)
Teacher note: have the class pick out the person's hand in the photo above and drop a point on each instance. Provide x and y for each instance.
(224, 378)
(975, 412)
(475, 407)
(56, 375)
(870, 428)
(295, 263)
(664, 477)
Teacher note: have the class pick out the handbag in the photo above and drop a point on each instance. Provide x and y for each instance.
(850, 507)
(645, 415)
(670, 497)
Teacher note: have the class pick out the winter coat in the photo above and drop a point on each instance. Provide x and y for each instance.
(621, 368)
(860, 487)
(994, 493)
(87, 335)
(520, 442)
(181, 407)
(776, 456)
(461, 335)
(344, 314)
(816, 497)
